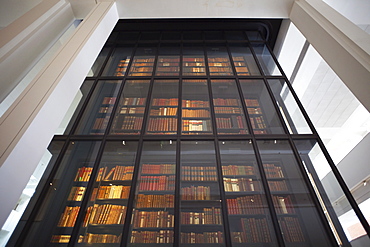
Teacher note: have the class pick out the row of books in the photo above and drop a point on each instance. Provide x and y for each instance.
(122, 67)
(196, 125)
(130, 123)
(158, 169)
(240, 184)
(196, 193)
(236, 170)
(165, 102)
(157, 219)
(133, 101)
(164, 111)
(109, 100)
(142, 59)
(167, 69)
(195, 64)
(193, 59)
(252, 102)
(76, 193)
(233, 122)
(225, 102)
(92, 238)
(157, 183)
(198, 173)
(175, 62)
(253, 231)
(110, 192)
(83, 174)
(162, 124)
(283, 205)
(202, 238)
(62, 239)
(218, 59)
(219, 64)
(140, 74)
(136, 64)
(273, 171)
(209, 216)
(106, 214)
(254, 110)
(168, 59)
(140, 69)
(242, 70)
(291, 229)
(101, 123)
(228, 110)
(115, 173)
(155, 201)
(257, 122)
(277, 185)
(105, 109)
(68, 217)
(132, 110)
(195, 103)
(225, 70)
(246, 205)
(158, 237)
(195, 113)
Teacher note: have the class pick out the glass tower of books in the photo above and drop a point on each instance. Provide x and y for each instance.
(184, 137)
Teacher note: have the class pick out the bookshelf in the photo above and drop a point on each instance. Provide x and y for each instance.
(256, 116)
(241, 66)
(230, 118)
(131, 108)
(142, 66)
(193, 66)
(163, 108)
(168, 66)
(196, 116)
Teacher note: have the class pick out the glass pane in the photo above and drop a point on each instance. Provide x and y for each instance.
(298, 216)
(193, 63)
(261, 111)
(143, 62)
(171, 36)
(96, 116)
(168, 63)
(77, 104)
(254, 35)
(95, 69)
(145, 36)
(163, 108)
(130, 112)
(235, 35)
(289, 109)
(214, 35)
(248, 214)
(153, 214)
(244, 62)
(106, 210)
(125, 37)
(332, 199)
(196, 116)
(267, 63)
(73, 174)
(118, 62)
(229, 114)
(200, 208)
(218, 61)
(192, 35)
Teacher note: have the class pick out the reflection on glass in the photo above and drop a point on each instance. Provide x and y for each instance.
(153, 215)
(130, 112)
(244, 62)
(97, 113)
(200, 207)
(230, 118)
(249, 220)
(118, 62)
(168, 63)
(95, 69)
(106, 210)
(332, 199)
(266, 61)
(143, 62)
(62, 198)
(298, 217)
(196, 117)
(163, 108)
(79, 99)
(288, 106)
(261, 111)
(218, 61)
(193, 62)
(254, 36)
(171, 36)
(235, 35)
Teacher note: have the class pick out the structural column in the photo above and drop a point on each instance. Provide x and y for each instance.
(28, 126)
(343, 45)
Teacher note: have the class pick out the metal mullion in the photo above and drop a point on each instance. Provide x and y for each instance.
(312, 193)
(177, 213)
(89, 187)
(268, 196)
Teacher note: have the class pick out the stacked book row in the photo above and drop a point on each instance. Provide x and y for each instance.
(162, 124)
(155, 201)
(158, 169)
(222, 102)
(283, 205)
(76, 193)
(240, 184)
(228, 110)
(234, 170)
(164, 111)
(277, 185)
(131, 123)
(165, 102)
(209, 216)
(233, 122)
(159, 183)
(115, 173)
(195, 113)
(100, 123)
(201, 238)
(253, 231)
(105, 214)
(83, 174)
(133, 101)
(132, 110)
(198, 173)
(246, 205)
(196, 125)
(110, 192)
(196, 193)
(92, 238)
(195, 103)
(145, 237)
(153, 219)
(292, 231)
(257, 122)
(273, 171)
(68, 217)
